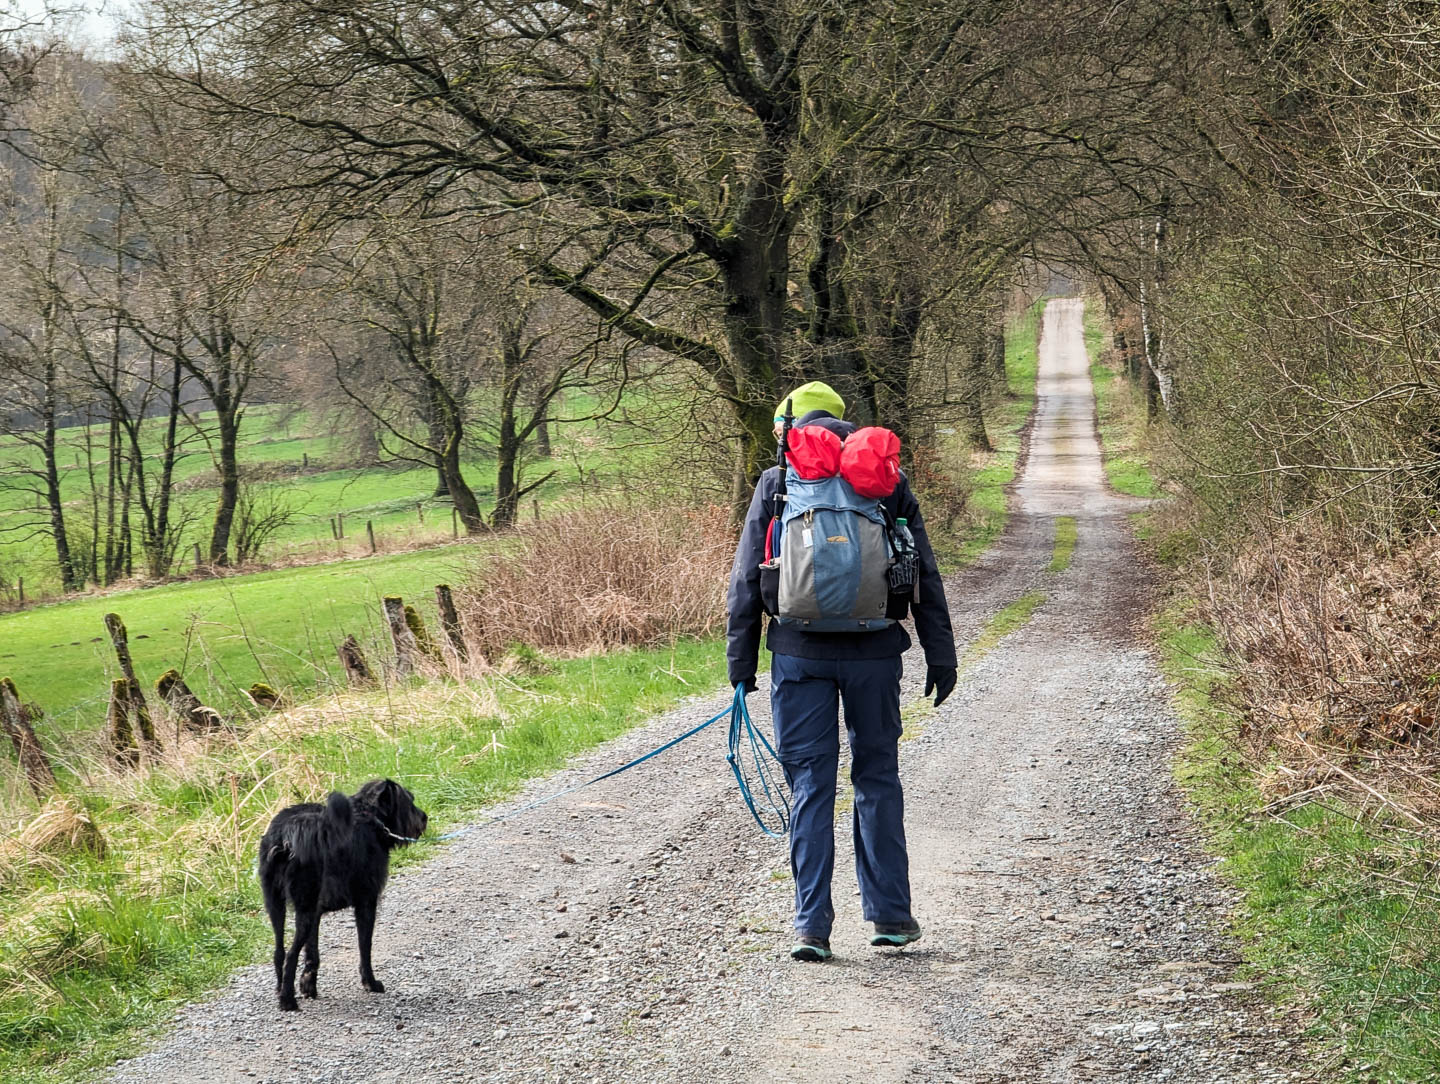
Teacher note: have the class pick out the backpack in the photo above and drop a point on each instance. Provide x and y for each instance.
(830, 547)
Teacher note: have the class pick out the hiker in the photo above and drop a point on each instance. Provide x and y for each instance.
(821, 659)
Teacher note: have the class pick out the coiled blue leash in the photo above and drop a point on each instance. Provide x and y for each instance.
(761, 761)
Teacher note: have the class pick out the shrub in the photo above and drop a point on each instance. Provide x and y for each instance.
(604, 577)
(1337, 647)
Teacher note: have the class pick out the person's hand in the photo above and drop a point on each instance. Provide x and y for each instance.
(940, 680)
(750, 685)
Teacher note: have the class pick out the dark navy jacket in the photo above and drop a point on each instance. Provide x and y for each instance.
(931, 613)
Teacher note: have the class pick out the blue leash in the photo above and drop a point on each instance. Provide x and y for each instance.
(762, 758)
(740, 725)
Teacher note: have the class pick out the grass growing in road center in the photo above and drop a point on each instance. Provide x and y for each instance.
(1011, 618)
(1066, 532)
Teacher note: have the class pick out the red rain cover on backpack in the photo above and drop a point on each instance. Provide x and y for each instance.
(814, 452)
(870, 461)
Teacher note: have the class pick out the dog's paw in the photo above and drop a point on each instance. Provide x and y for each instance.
(289, 1004)
(375, 986)
(307, 986)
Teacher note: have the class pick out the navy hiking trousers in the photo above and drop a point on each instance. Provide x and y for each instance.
(805, 698)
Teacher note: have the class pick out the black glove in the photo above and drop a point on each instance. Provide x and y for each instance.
(941, 680)
(750, 685)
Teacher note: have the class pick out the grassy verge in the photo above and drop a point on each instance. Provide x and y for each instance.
(988, 475)
(94, 949)
(1339, 906)
(1121, 412)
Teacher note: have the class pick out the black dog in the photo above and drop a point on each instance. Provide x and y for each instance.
(326, 858)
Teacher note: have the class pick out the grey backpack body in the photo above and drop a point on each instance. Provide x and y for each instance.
(834, 558)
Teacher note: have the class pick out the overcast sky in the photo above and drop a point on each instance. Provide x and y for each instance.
(92, 20)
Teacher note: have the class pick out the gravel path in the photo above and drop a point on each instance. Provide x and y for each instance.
(637, 931)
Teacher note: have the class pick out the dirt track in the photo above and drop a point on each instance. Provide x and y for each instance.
(637, 931)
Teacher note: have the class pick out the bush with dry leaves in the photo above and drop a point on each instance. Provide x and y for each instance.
(604, 577)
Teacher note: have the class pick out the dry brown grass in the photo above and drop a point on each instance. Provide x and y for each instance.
(1338, 665)
(61, 828)
(604, 577)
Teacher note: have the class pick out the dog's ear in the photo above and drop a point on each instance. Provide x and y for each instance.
(387, 803)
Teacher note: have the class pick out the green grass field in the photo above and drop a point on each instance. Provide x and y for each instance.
(278, 627)
(281, 626)
(396, 499)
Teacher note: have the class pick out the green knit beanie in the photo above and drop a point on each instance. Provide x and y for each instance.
(812, 396)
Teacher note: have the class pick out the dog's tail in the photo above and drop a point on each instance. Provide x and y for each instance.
(339, 814)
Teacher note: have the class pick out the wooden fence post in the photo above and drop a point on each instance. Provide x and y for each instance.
(334, 531)
(15, 718)
(406, 649)
(340, 525)
(454, 523)
(120, 639)
(535, 506)
(423, 640)
(266, 697)
(370, 533)
(195, 547)
(450, 621)
(117, 722)
(185, 705)
(357, 670)
(420, 513)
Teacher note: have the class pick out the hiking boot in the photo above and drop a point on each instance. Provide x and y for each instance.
(895, 934)
(810, 950)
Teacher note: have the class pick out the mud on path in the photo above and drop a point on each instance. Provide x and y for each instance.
(637, 931)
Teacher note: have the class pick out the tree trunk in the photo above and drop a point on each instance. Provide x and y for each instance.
(754, 263)
(228, 465)
(68, 578)
(995, 355)
(507, 447)
(436, 424)
(542, 429)
(507, 453)
(155, 517)
(834, 330)
(973, 397)
(114, 558)
(461, 495)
